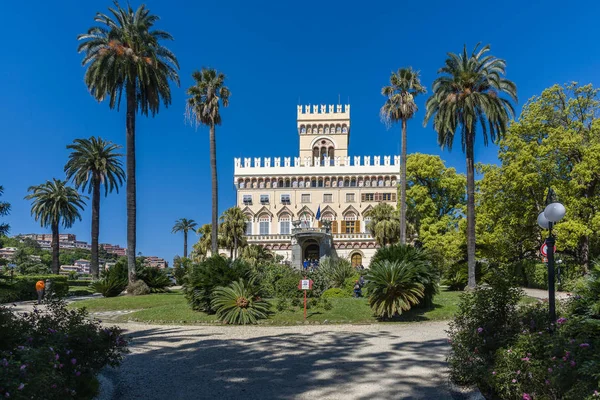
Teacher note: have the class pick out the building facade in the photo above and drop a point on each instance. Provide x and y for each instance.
(317, 203)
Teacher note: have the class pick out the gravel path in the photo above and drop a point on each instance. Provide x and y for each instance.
(384, 361)
(543, 294)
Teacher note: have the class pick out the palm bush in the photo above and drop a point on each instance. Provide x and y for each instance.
(336, 271)
(156, 279)
(110, 286)
(393, 287)
(239, 303)
(203, 278)
(426, 271)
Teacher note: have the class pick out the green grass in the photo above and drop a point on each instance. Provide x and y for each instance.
(173, 308)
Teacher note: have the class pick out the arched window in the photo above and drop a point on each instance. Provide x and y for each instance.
(313, 183)
(248, 224)
(284, 224)
(280, 183)
(380, 182)
(356, 260)
(346, 182)
(344, 129)
(287, 183)
(294, 183)
(264, 223)
(303, 129)
(350, 224)
(353, 183)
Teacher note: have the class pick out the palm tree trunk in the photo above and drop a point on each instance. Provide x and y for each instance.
(470, 209)
(184, 244)
(585, 253)
(235, 246)
(55, 249)
(403, 186)
(131, 203)
(215, 192)
(95, 227)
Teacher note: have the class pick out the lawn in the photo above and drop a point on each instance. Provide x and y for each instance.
(172, 308)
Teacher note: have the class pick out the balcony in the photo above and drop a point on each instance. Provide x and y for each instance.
(271, 237)
(361, 236)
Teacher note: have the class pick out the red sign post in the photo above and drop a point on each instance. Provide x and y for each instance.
(305, 284)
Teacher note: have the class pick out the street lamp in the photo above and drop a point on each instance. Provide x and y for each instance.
(553, 213)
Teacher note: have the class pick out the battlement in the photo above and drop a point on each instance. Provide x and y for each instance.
(324, 112)
(296, 165)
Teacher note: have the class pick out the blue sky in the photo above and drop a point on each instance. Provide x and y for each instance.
(275, 54)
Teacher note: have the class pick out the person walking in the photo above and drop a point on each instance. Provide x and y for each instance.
(39, 288)
(357, 291)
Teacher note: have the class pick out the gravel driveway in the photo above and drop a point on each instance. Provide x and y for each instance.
(383, 361)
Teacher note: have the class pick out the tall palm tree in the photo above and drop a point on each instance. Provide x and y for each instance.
(206, 96)
(383, 224)
(4, 210)
(125, 54)
(233, 223)
(400, 105)
(94, 163)
(467, 94)
(184, 225)
(54, 204)
(204, 244)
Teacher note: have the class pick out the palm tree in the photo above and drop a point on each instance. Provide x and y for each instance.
(400, 105)
(383, 224)
(4, 210)
(125, 54)
(467, 94)
(184, 225)
(233, 223)
(206, 96)
(54, 204)
(201, 248)
(93, 163)
(393, 287)
(255, 254)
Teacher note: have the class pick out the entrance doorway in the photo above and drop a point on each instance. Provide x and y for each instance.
(311, 252)
(356, 259)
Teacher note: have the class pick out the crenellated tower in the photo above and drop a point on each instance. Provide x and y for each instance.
(324, 131)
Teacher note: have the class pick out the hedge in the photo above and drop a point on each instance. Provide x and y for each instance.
(23, 287)
(82, 283)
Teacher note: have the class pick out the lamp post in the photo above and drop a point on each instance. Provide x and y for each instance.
(553, 213)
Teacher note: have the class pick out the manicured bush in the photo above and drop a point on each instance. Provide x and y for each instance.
(23, 287)
(425, 271)
(335, 293)
(156, 279)
(111, 285)
(214, 272)
(56, 354)
(239, 303)
(393, 287)
(138, 288)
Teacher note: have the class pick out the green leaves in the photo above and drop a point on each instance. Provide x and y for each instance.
(239, 304)
(55, 203)
(384, 224)
(206, 96)
(393, 287)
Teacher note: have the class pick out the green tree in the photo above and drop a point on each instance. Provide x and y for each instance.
(233, 225)
(125, 54)
(184, 225)
(204, 244)
(436, 203)
(466, 95)
(94, 163)
(181, 267)
(206, 96)
(400, 106)
(383, 224)
(555, 143)
(4, 211)
(255, 254)
(55, 204)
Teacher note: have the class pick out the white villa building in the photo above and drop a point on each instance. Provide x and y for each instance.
(282, 196)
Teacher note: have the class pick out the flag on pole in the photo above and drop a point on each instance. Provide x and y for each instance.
(319, 213)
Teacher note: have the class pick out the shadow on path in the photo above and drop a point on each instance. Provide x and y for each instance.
(181, 363)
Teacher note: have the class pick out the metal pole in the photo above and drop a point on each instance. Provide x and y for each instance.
(305, 305)
(551, 297)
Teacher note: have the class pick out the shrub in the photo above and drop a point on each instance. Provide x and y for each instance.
(181, 266)
(214, 272)
(111, 285)
(23, 287)
(282, 304)
(296, 302)
(426, 273)
(239, 304)
(393, 287)
(334, 293)
(138, 288)
(81, 283)
(487, 320)
(267, 277)
(55, 354)
(336, 271)
(156, 279)
(287, 287)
